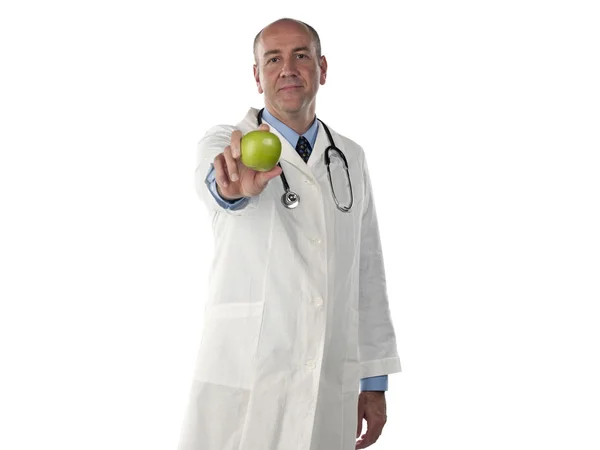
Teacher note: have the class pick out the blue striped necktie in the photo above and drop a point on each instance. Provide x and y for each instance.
(303, 148)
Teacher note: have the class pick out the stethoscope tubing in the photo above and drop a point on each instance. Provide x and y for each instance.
(291, 199)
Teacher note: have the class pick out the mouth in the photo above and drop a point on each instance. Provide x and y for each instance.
(289, 88)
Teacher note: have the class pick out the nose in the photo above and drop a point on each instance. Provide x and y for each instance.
(289, 68)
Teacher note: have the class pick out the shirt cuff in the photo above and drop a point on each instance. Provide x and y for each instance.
(211, 183)
(379, 383)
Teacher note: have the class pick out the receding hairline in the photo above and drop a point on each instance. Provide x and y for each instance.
(314, 35)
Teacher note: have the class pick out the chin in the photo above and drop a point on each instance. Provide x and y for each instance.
(291, 107)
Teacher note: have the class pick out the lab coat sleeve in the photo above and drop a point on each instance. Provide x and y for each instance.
(214, 142)
(377, 338)
(211, 182)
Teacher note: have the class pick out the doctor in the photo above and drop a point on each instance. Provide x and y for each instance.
(297, 337)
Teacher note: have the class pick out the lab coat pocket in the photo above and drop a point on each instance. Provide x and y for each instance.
(351, 378)
(228, 345)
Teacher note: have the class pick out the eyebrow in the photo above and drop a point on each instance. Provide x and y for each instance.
(277, 51)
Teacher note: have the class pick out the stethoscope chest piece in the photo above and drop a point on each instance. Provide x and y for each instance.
(290, 199)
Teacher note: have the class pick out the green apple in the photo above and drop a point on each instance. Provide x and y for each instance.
(260, 150)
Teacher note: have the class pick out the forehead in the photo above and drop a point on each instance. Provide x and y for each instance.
(284, 36)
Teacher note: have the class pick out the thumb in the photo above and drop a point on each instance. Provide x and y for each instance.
(359, 424)
(264, 127)
(262, 178)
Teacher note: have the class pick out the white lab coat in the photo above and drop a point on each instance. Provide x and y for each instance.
(297, 310)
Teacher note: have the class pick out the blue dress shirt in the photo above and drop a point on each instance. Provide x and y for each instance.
(379, 383)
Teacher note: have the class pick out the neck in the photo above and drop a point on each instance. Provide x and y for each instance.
(299, 121)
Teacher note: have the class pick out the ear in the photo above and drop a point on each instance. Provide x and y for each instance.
(323, 66)
(257, 79)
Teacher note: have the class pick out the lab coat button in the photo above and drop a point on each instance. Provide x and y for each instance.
(318, 301)
(310, 364)
(316, 240)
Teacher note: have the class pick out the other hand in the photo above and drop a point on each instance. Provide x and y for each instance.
(372, 408)
(234, 179)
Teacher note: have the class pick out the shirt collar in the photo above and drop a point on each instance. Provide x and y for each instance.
(290, 135)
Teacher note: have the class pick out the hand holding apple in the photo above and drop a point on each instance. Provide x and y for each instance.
(244, 168)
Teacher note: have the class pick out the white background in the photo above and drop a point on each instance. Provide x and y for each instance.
(481, 125)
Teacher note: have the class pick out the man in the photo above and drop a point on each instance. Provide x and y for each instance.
(297, 319)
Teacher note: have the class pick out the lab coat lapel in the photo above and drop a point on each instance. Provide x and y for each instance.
(290, 155)
(321, 144)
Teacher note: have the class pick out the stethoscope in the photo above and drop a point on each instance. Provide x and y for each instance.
(291, 199)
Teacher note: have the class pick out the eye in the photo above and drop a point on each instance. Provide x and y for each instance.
(301, 56)
(273, 60)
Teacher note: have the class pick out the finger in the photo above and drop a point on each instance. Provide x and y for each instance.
(374, 429)
(232, 167)
(359, 424)
(363, 442)
(236, 138)
(220, 173)
(264, 127)
(262, 178)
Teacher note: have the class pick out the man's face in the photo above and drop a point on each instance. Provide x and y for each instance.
(288, 70)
